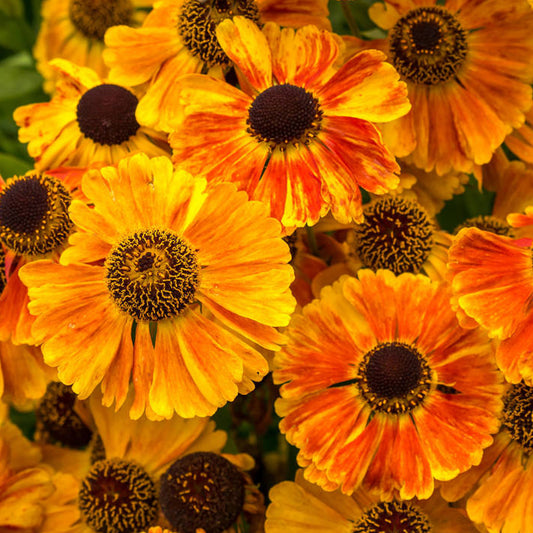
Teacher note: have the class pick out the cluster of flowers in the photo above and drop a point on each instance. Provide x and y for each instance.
(225, 190)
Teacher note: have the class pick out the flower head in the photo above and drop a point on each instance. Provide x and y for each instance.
(377, 368)
(299, 136)
(161, 286)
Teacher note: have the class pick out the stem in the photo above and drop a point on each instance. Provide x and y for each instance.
(348, 15)
(312, 240)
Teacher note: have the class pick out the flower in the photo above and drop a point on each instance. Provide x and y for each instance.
(302, 506)
(24, 482)
(497, 491)
(87, 121)
(398, 234)
(383, 388)
(160, 285)
(468, 67)
(179, 37)
(23, 374)
(34, 224)
(492, 283)
(299, 136)
(139, 461)
(74, 30)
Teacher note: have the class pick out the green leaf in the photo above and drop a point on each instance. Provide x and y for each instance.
(11, 166)
(15, 34)
(13, 8)
(18, 81)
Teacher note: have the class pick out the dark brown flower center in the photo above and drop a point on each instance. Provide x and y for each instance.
(396, 234)
(117, 497)
(56, 420)
(198, 21)
(517, 415)
(34, 214)
(428, 45)
(152, 274)
(393, 377)
(393, 517)
(106, 114)
(94, 17)
(202, 490)
(488, 223)
(284, 114)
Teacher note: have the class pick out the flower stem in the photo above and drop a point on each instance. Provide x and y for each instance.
(348, 15)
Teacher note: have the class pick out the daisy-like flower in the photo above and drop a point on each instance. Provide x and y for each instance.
(24, 482)
(468, 67)
(299, 136)
(302, 506)
(160, 259)
(179, 37)
(497, 491)
(74, 30)
(34, 224)
(399, 235)
(152, 474)
(492, 282)
(383, 388)
(87, 121)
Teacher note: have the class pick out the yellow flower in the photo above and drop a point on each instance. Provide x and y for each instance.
(301, 506)
(24, 482)
(87, 121)
(74, 30)
(299, 136)
(162, 285)
(142, 477)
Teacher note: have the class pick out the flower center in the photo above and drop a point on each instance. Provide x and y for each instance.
(56, 420)
(117, 497)
(282, 114)
(517, 415)
(34, 214)
(198, 21)
(488, 223)
(202, 490)
(106, 114)
(152, 274)
(393, 517)
(94, 17)
(394, 377)
(428, 45)
(396, 234)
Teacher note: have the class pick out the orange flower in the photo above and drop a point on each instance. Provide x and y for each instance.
(298, 136)
(383, 388)
(34, 224)
(498, 491)
(492, 283)
(468, 67)
(160, 286)
(179, 37)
